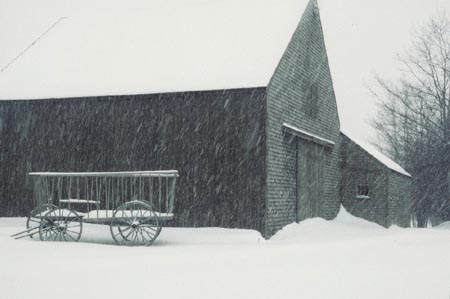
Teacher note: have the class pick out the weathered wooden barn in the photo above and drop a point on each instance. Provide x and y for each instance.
(373, 186)
(257, 143)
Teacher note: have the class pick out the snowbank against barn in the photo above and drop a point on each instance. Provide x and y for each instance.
(344, 227)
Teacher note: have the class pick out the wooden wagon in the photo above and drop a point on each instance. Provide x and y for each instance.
(134, 204)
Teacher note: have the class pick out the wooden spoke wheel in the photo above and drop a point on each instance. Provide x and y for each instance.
(35, 216)
(60, 225)
(135, 224)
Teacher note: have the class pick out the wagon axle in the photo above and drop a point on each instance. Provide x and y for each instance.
(61, 227)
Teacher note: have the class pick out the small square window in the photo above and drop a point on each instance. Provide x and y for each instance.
(362, 192)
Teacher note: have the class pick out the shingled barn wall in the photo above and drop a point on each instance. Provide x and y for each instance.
(400, 195)
(304, 61)
(360, 168)
(389, 199)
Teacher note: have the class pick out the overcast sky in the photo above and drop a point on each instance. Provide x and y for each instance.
(362, 37)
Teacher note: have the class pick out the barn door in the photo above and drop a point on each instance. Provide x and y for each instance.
(309, 179)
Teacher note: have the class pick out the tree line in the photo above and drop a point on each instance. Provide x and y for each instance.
(413, 119)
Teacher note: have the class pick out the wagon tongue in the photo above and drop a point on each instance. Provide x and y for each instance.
(26, 233)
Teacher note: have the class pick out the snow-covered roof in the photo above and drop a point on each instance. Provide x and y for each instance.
(371, 150)
(184, 45)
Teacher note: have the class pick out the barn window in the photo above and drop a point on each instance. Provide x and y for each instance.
(312, 98)
(362, 192)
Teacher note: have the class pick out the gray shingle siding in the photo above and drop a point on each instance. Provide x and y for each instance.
(304, 62)
(359, 168)
(399, 199)
(390, 192)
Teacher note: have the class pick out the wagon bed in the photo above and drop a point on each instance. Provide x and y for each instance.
(105, 216)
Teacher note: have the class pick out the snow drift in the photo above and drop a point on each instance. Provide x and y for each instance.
(345, 226)
(347, 257)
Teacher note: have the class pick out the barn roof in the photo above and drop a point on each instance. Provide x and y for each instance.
(388, 162)
(181, 46)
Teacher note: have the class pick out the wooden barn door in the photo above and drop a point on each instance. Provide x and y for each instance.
(309, 179)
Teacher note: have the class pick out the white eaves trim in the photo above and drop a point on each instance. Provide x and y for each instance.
(307, 135)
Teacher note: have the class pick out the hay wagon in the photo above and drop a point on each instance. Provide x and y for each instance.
(134, 204)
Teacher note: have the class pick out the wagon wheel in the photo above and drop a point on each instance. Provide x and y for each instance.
(124, 235)
(35, 216)
(60, 225)
(135, 223)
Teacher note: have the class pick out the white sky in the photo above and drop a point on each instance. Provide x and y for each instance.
(362, 37)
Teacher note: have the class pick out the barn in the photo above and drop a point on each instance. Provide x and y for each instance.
(373, 186)
(244, 110)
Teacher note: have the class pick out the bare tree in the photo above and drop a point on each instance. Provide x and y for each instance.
(413, 120)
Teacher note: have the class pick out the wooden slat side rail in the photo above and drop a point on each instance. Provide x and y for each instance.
(153, 173)
(79, 201)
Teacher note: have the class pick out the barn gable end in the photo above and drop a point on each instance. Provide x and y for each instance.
(301, 94)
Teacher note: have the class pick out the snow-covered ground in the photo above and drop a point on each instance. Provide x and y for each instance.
(344, 258)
